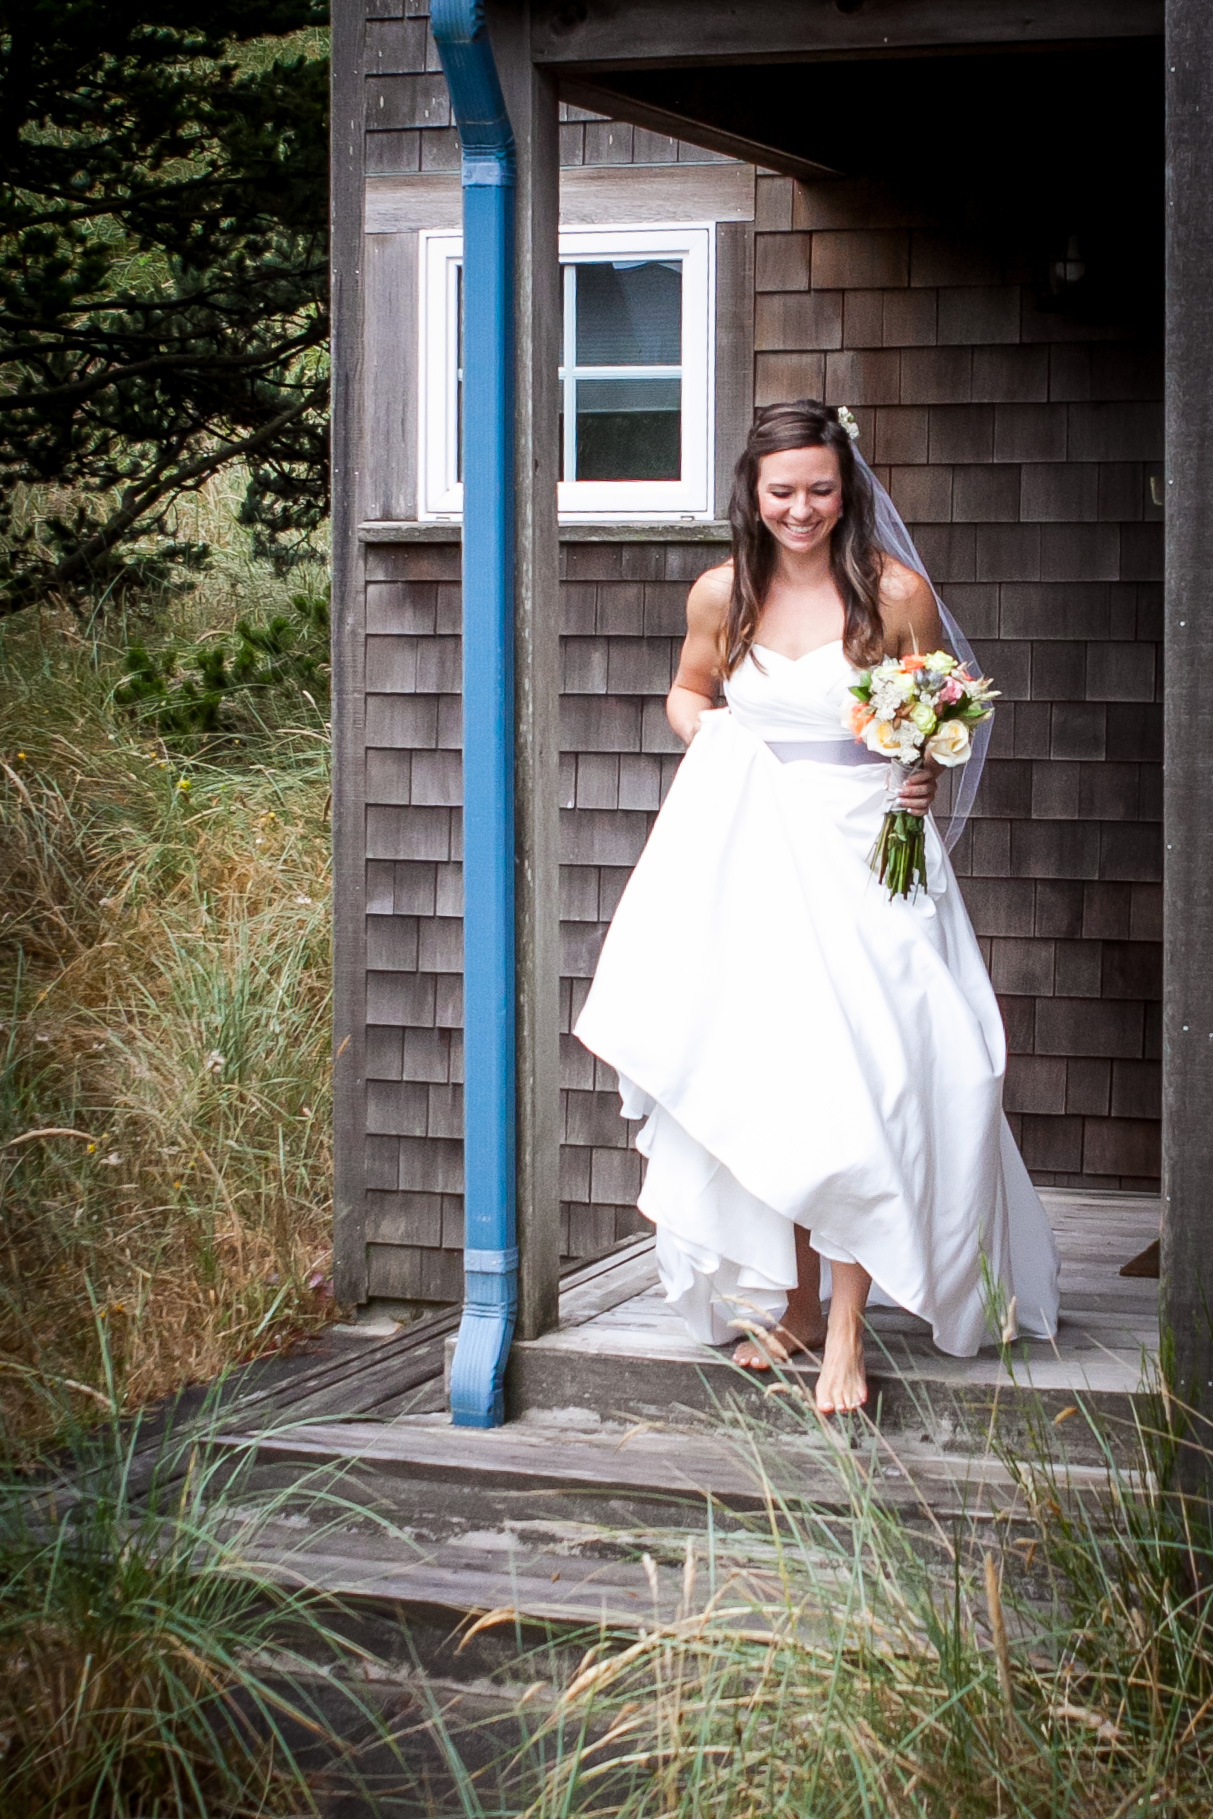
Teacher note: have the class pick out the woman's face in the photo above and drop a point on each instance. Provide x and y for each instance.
(800, 497)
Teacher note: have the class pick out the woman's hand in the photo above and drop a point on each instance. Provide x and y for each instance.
(918, 791)
(685, 709)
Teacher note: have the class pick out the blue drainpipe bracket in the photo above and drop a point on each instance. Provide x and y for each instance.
(490, 1258)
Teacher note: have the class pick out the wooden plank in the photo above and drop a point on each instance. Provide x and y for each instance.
(623, 1283)
(389, 411)
(734, 351)
(655, 1463)
(372, 1388)
(388, 1368)
(1187, 1235)
(642, 34)
(531, 99)
(590, 195)
(595, 195)
(511, 1456)
(701, 531)
(348, 691)
(579, 1593)
(396, 204)
(598, 93)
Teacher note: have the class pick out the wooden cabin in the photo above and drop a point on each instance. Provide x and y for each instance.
(949, 215)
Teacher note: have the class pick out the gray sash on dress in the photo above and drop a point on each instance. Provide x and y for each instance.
(823, 751)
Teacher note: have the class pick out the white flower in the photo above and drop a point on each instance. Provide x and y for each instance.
(848, 422)
(941, 662)
(885, 701)
(952, 744)
(882, 736)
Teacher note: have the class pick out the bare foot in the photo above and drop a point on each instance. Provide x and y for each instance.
(842, 1385)
(803, 1327)
(759, 1352)
(790, 1337)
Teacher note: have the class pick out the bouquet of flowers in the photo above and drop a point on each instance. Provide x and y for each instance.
(909, 709)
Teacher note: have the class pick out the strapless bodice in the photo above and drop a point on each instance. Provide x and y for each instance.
(781, 698)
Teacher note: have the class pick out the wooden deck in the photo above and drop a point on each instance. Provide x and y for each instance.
(624, 1450)
(620, 1352)
(618, 1333)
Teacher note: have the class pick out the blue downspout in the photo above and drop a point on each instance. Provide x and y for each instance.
(490, 1258)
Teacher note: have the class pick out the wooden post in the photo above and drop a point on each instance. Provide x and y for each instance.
(1187, 1247)
(349, 628)
(531, 99)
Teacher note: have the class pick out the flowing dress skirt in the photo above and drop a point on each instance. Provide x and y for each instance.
(806, 1052)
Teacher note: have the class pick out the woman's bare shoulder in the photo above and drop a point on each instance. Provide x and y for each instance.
(907, 607)
(708, 600)
(901, 587)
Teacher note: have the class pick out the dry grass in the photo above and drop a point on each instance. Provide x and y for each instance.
(1053, 1663)
(164, 1007)
(148, 1669)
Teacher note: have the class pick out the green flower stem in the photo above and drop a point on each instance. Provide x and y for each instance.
(899, 857)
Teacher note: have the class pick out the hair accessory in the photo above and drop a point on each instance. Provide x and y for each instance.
(848, 422)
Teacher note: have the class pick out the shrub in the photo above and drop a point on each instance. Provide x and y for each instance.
(276, 666)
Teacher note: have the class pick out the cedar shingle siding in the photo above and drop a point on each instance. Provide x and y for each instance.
(1024, 449)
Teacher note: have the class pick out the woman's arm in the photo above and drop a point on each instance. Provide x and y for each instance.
(695, 685)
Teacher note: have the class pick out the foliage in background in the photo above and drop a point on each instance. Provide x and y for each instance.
(164, 1013)
(277, 663)
(163, 280)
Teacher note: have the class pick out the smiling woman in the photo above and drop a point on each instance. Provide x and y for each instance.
(836, 1105)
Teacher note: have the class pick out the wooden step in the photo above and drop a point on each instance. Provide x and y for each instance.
(445, 1479)
(558, 1533)
(629, 1358)
(630, 1379)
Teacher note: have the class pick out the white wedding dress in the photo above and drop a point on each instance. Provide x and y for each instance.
(804, 1051)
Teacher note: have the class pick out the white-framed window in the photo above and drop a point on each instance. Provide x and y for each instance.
(636, 373)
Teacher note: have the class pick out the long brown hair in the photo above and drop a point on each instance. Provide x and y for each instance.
(855, 559)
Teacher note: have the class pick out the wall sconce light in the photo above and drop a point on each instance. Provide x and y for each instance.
(1065, 273)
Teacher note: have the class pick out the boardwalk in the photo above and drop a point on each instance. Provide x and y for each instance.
(1109, 1323)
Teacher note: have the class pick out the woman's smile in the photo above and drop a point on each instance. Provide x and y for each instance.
(799, 497)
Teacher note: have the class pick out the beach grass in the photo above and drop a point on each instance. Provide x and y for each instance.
(164, 1000)
(150, 1667)
(1047, 1654)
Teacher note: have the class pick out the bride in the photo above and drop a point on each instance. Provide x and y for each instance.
(819, 1069)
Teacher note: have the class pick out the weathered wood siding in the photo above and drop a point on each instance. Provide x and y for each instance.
(624, 612)
(1023, 447)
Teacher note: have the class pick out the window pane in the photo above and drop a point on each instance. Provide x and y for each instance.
(629, 429)
(629, 314)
